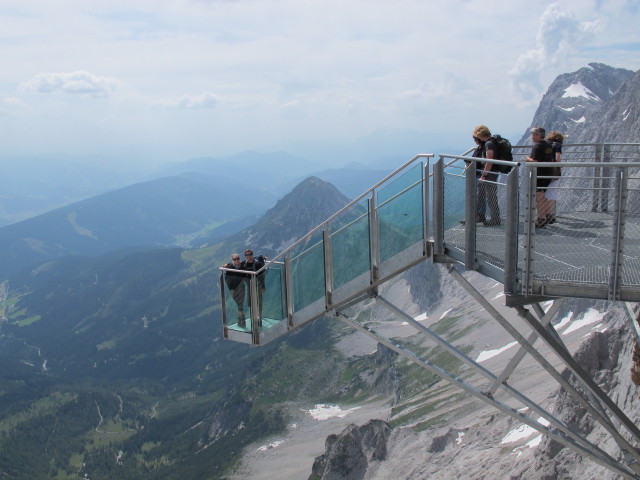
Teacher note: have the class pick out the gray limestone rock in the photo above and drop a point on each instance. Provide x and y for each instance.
(347, 455)
(576, 101)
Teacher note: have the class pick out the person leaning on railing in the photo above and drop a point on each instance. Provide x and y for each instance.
(487, 185)
(541, 152)
(235, 284)
(555, 138)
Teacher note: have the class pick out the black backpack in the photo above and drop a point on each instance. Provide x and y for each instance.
(503, 153)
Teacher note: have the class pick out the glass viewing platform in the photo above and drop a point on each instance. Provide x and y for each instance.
(427, 210)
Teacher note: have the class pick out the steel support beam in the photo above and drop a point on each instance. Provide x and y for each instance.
(605, 461)
(520, 354)
(569, 362)
(475, 366)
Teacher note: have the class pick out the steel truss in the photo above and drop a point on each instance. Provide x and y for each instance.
(592, 398)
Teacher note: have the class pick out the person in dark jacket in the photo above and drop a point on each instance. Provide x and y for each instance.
(235, 284)
(488, 180)
(542, 152)
(254, 264)
(555, 138)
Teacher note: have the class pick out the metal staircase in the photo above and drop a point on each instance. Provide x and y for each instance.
(414, 215)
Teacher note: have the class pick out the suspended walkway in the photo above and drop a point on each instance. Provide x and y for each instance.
(426, 210)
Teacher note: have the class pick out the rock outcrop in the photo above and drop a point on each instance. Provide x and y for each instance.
(479, 451)
(573, 103)
(348, 455)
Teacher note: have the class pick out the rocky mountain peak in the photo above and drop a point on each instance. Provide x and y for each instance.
(573, 98)
(310, 203)
(618, 119)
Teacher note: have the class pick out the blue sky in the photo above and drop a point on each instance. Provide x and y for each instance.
(166, 80)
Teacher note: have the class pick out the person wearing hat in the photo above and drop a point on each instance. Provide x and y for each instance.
(254, 264)
(555, 138)
(487, 180)
(542, 151)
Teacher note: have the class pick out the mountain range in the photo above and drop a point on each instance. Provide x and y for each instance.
(122, 351)
(169, 211)
(34, 186)
(113, 364)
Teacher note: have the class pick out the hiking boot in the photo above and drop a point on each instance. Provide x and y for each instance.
(541, 222)
(478, 220)
(550, 219)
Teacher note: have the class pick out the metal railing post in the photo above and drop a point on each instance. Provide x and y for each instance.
(328, 268)
(529, 229)
(511, 232)
(255, 312)
(617, 241)
(426, 205)
(374, 238)
(438, 207)
(606, 178)
(288, 285)
(470, 214)
(223, 306)
(597, 179)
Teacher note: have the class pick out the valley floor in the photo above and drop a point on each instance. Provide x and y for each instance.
(290, 456)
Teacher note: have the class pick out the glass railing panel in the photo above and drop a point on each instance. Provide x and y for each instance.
(237, 309)
(399, 183)
(454, 205)
(492, 206)
(351, 214)
(274, 308)
(350, 249)
(401, 222)
(308, 276)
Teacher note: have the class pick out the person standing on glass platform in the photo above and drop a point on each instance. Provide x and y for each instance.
(235, 284)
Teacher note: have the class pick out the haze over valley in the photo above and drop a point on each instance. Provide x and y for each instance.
(144, 142)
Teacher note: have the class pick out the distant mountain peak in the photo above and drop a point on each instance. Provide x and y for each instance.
(310, 203)
(572, 98)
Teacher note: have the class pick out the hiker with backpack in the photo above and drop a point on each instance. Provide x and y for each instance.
(555, 138)
(542, 151)
(254, 264)
(494, 147)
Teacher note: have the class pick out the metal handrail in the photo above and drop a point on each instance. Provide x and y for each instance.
(346, 207)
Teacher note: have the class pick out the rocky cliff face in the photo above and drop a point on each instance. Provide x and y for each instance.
(348, 455)
(576, 100)
(596, 103)
(474, 447)
(617, 120)
(607, 357)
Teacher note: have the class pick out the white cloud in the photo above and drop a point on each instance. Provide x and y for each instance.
(75, 83)
(560, 34)
(11, 105)
(11, 102)
(289, 74)
(204, 100)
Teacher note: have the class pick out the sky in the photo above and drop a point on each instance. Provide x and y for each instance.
(144, 81)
